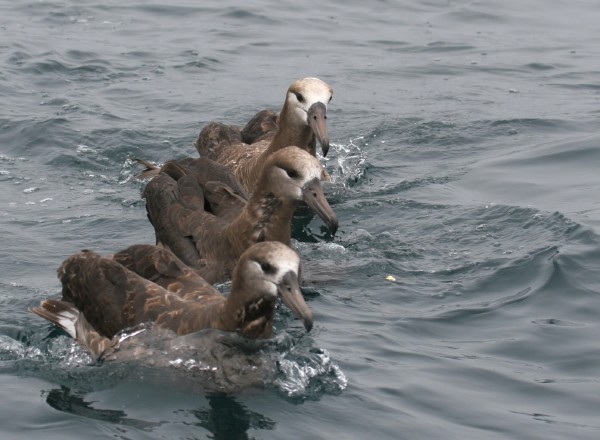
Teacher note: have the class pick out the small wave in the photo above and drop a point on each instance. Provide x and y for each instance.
(204, 63)
(80, 73)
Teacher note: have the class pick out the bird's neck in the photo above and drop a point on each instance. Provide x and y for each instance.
(290, 131)
(252, 319)
(265, 218)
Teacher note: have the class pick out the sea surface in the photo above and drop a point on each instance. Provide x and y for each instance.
(460, 298)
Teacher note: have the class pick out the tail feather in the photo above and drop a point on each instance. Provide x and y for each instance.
(61, 313)
(150, 171)
(68, 317)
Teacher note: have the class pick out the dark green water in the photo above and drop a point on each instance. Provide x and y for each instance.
(460, 298)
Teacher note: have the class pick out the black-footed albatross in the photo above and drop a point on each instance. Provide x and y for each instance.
(302, 120)
(103, 295)
(211, 239)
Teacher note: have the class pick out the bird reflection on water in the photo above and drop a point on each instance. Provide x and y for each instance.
(228, 419)
(63, 399)
(224, 417)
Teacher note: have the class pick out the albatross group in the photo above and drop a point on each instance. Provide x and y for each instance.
(223, 216)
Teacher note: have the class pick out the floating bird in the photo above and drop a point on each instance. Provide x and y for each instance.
(208, 226)
(301, 122)
(102, 296)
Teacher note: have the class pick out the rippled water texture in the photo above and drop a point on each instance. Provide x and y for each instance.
(460, 298)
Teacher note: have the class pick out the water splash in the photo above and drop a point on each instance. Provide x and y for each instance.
(12, 350)
(349, 162)
(83, 149)
(67, 352)
(206, 360)
(127, 172)
(309, 374)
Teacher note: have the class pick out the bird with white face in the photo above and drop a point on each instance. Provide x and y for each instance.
(308, 98)
(302, 122)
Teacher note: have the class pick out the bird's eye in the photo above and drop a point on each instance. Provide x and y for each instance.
(299, 97)
(292, 174)
(330, 98)
(266, 267)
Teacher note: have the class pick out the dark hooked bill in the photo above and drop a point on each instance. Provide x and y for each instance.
(313, 195)
(317, 120)
(289, 290)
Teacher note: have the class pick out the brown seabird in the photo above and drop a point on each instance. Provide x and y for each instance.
(302, 120)
(102, 296)
(208, 227)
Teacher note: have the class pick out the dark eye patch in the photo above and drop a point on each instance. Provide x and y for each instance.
(267, 267)
(292, 174)
(299, 96)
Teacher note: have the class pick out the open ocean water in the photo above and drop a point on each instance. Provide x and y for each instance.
(460, 298)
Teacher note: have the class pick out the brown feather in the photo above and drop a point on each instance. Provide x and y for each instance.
(262, 126)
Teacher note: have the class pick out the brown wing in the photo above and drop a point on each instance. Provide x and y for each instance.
(217, 142)
(224, 202)
(221, 192)
(261, 127)
(171, 218)
(105, 292)
(113, 298)
(207, 170)
(183, 225)
(215, 137)
(162, 267)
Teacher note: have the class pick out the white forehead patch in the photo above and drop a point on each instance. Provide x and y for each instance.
(312, 172)
(311, 96)
(313, 90)
(305, 164)
(308, 165)
(283, 260)
(287, 261)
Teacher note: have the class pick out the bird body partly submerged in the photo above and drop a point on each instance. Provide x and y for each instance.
(103, 295)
